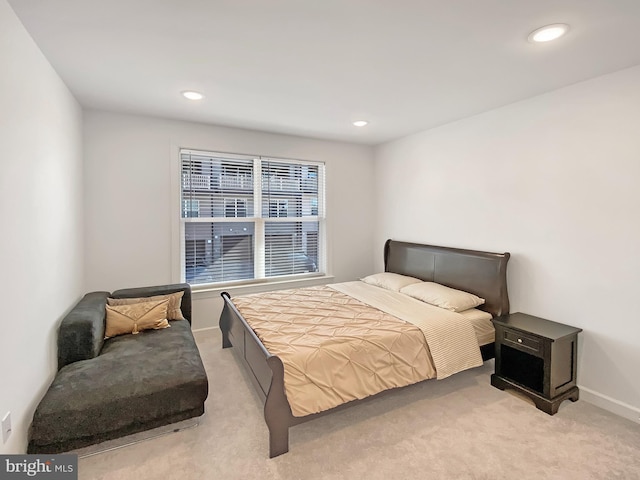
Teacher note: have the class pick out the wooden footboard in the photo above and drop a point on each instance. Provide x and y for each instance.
(266, 372)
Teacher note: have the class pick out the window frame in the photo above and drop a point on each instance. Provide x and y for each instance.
(258, 220)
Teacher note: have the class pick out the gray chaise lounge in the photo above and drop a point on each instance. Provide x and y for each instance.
(105, 389)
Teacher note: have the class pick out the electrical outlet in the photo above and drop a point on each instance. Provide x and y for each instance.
(6, 427)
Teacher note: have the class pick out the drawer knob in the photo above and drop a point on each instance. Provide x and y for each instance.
(519, 340)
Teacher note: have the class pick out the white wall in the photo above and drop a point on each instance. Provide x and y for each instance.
(132, 202)
(41, 248)
(553, 180)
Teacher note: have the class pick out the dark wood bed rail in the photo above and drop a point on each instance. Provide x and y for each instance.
(266, 372)
(468, 270)
(237, 333)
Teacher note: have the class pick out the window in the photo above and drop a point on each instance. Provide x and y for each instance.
(235, 207)
(248, 218)
(190, 208)
(278, 208)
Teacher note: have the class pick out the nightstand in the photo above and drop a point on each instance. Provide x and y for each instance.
(538, 358)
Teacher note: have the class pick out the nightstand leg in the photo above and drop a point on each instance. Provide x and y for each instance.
(548, 407)
(497, 382)
(551, 406)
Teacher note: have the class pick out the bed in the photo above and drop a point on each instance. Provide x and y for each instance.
(479, 273)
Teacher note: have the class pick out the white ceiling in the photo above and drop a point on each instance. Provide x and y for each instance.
(310, 68)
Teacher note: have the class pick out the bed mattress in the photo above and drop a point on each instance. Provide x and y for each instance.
(348, 341)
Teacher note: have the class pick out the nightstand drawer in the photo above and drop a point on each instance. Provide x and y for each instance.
(518, 339)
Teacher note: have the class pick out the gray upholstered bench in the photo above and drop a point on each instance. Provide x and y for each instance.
(105, 389)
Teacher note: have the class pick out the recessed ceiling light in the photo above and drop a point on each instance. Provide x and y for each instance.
(549, 32)
(360, 123)
(191, 95)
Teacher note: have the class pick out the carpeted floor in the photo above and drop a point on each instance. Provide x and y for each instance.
(457, 428)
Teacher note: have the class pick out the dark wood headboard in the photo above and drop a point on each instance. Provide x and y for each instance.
(481, 273)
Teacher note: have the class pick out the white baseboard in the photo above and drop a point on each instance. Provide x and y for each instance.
(610, 404)
(204, 329)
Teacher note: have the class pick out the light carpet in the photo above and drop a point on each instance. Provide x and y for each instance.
(457, 428)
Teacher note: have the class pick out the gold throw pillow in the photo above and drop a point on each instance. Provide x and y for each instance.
(123, 319)
(173, 310)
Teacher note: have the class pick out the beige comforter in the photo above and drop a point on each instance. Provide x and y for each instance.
(336, 347)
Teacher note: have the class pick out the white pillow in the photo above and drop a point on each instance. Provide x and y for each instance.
(390, 281)
(443, 297)
(475, 315)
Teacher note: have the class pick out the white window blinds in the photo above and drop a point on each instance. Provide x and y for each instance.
(245, 218)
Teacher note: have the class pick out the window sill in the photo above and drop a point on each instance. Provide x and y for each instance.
(244, 289)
